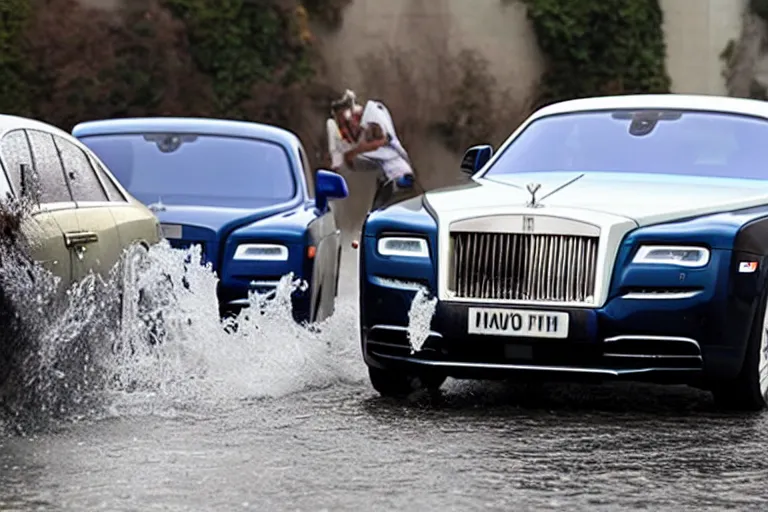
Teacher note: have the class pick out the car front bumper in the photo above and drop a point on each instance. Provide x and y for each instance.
(683, 339)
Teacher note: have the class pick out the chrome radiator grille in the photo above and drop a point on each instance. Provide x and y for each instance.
(525, 267)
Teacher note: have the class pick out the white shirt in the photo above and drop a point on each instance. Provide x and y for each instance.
(391, 158)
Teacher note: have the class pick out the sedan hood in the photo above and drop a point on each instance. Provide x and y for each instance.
(215, 219)
(643, 198)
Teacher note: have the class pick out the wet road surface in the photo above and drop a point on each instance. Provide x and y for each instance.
(481, 447)
(277, 419)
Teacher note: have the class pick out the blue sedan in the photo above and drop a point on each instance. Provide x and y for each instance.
(242, 191)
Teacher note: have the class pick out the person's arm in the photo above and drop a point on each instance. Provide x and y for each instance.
(378, 139)
(337, 156)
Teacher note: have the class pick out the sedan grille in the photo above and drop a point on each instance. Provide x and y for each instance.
(524, 267)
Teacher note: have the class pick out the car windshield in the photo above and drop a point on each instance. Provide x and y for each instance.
(201, 170)
(688, 143)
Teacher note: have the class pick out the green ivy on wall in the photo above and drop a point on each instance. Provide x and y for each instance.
(596, 47)
(239, 43)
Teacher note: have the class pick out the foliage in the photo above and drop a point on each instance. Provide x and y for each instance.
(98, 64)
(327, 11)
(760, 8)
(239, 44)
(453, 95)
(478, 111)
(596, 47)
(14, 92)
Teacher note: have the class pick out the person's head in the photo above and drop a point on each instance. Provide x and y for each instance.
(347, 114)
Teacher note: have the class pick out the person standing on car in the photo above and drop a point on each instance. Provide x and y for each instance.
(366, 135)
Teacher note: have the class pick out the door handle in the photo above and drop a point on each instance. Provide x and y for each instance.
(80, 238)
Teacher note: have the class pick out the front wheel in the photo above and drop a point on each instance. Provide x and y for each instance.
(749, 390)
(392, 384)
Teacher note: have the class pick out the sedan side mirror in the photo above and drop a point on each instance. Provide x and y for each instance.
(475, 158)
(328, 186)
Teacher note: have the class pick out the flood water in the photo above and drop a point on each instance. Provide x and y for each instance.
(279, 417)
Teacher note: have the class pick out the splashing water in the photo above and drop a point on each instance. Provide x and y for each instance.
(420, 319)
(148, 338)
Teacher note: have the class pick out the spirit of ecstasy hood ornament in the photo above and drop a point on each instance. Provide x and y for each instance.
(532, 189)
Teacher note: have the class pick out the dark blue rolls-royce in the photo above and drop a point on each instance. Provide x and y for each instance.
(242, 191)
(616, 237)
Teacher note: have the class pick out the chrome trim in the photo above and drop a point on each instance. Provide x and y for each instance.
(612, 231)
(94, 204)
(542, 268)
(266, 284)
(399, 328)
(396, 284)
(636, 337)
(662, 295)
(53, 207)
(80, 238)
(263, 284)
(525, 224)
(539, 368)
(451, 297)
(653, 356)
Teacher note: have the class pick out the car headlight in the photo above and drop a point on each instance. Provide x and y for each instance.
(261, 252)
(672, 255)
(403, 246)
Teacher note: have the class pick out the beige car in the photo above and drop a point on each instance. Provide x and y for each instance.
(82, 219)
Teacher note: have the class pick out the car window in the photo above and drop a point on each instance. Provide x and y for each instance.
(80, 175)
(15, 149)
(309, 173)
(112, 190)
(690, 143)
(53, 186)
(198, 169)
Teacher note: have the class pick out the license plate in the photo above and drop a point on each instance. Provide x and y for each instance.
(171, 231)
(518, 322)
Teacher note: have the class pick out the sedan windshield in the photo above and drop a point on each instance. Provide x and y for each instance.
(201, 170)
(689, 143)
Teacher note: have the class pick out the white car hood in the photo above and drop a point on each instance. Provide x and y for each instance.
(644, 198)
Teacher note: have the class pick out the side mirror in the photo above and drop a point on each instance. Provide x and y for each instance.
(475, 158)
(328, 186)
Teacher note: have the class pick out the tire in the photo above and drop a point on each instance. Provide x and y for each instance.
(398, 385)
(749, 390)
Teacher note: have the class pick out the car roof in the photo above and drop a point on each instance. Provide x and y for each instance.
(10, 122)
(187, 125)
(701, 102)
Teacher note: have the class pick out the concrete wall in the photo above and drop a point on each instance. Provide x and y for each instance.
(696, 31)
(498, 29)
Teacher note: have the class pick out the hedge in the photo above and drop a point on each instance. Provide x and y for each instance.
(15, 94)
(238, 43)
(595, 47)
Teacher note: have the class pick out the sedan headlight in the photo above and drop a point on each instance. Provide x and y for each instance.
(403, 246)
(672, 255)
(261, 252)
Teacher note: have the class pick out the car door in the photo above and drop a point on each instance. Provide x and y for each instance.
(135, 224)
(327, 238)
(53, 210)
(99, 244)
